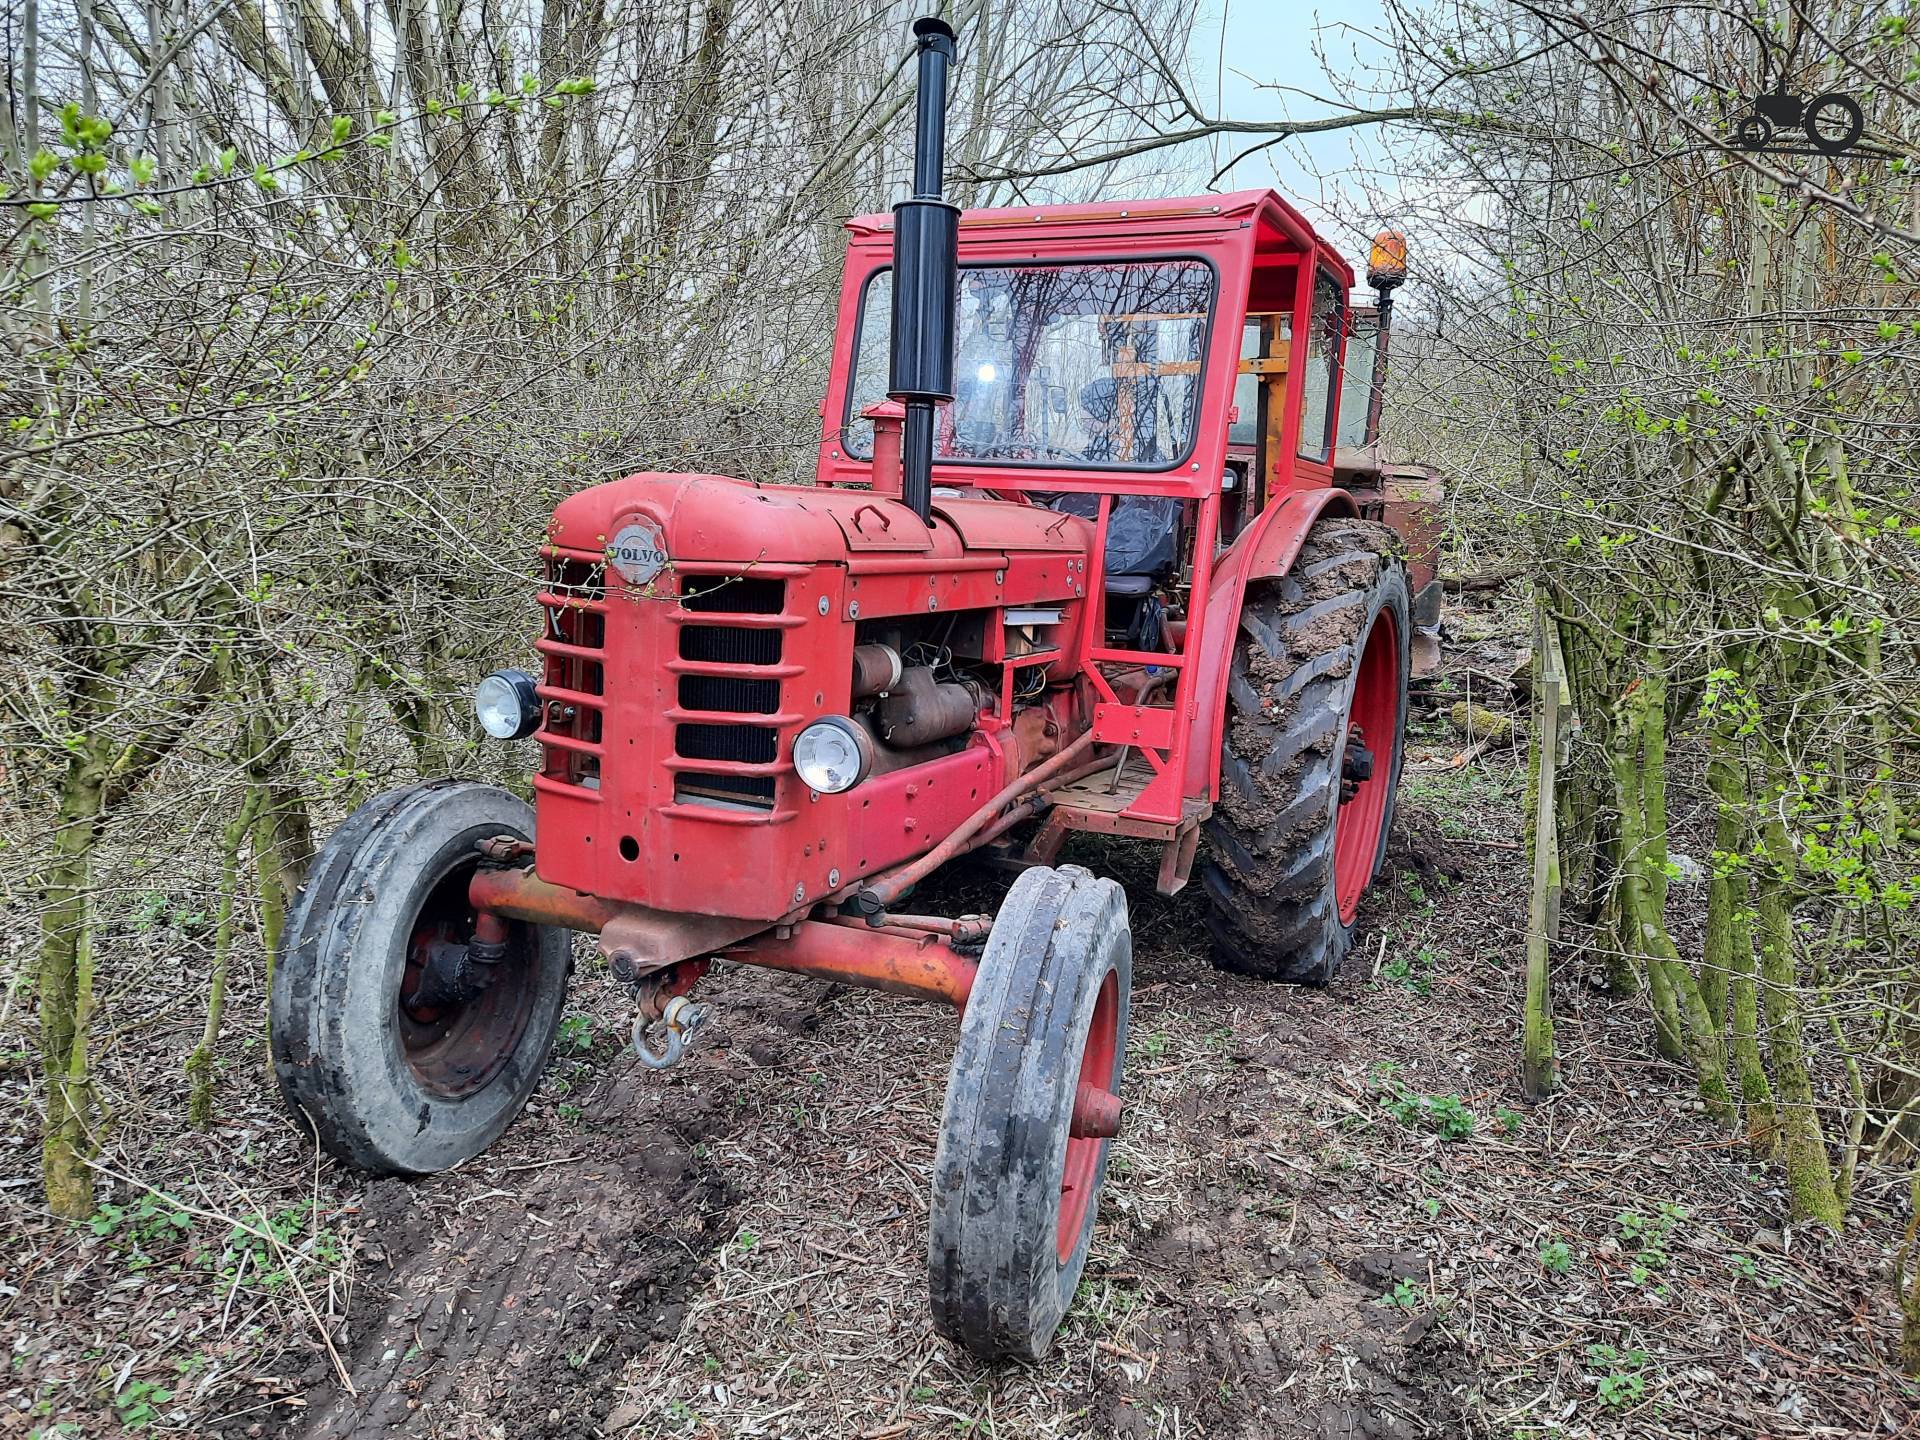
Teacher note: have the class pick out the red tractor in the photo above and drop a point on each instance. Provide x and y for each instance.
(1074, 561)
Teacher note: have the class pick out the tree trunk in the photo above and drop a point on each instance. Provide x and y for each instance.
(1683, 1025)
(66, 993)
(1906, 1282)
(1638, 920)
(199, 1065)
(1803, 1148)
(1725, 873)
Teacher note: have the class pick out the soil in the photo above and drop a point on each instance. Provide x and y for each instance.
(1300, 1238)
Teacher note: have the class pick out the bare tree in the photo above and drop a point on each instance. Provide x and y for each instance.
(315, 308)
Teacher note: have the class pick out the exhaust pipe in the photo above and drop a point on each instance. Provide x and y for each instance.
(926, 274)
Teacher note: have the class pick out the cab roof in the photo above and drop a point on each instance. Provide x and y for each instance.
(1277, 225)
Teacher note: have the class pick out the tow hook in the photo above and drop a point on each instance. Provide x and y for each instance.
(681, 1019)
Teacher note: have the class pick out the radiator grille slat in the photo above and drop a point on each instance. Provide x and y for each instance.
(734, 595)
(749, 744)
(574, 597)
(729, 645)
(742, 693)
(726, 692)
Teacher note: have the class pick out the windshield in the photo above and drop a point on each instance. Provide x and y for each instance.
(1090, 366)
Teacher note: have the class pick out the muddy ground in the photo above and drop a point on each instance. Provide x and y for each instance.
(1330, 1215)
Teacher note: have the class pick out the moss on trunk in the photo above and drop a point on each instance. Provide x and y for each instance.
(68, 1141)
(1803, 1147)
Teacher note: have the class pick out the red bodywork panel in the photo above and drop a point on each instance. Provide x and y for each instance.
(668, 776)
(692, 700)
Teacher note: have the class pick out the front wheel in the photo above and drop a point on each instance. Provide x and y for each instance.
(1753, 132)
(1032, 1104)
(1316, 716)
(406, 1049)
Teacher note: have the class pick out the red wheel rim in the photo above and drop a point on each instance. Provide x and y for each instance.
(1375, 712)
(1083, 1154)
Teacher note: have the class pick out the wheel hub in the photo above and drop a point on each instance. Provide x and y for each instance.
(464, 994)
(443, 976)
(1356, 765)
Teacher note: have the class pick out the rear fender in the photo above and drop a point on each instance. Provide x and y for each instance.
(1265, 550)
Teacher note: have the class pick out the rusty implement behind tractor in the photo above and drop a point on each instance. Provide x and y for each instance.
(1077, 559)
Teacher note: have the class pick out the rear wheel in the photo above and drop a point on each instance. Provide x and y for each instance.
(407, 1049)
(1031, 1106)
(1833, 122)
(1316, 711)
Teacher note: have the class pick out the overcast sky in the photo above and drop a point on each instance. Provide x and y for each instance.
(1269, 43)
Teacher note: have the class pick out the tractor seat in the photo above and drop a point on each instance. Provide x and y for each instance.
(1143, 538)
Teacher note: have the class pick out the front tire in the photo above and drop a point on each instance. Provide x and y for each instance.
(1014, 1190)
(388, 1082)
(1319, 680)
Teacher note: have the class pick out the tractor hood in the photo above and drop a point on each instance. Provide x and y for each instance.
(645, 523)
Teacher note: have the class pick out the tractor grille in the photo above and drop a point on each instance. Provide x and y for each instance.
(734, 595)
(718, 680)
(724, 692)
(574, 603)
(730, 647)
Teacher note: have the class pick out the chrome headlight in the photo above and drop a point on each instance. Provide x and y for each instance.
(833, 754)
(506, 705)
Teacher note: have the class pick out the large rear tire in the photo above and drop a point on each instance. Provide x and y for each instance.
(389, 1082)
(1014, 1190)
(1319, 684)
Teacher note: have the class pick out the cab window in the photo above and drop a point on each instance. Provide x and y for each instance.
(1084, 366)
(1322, 366)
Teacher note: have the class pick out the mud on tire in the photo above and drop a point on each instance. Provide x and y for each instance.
(1282, 879)
(1014, 1192)
(386, 1087)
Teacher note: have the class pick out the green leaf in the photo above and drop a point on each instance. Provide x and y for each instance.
(43, 164)
(341, 128)
(43, 211)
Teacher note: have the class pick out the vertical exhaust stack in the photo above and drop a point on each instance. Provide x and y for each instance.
(926, 274)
